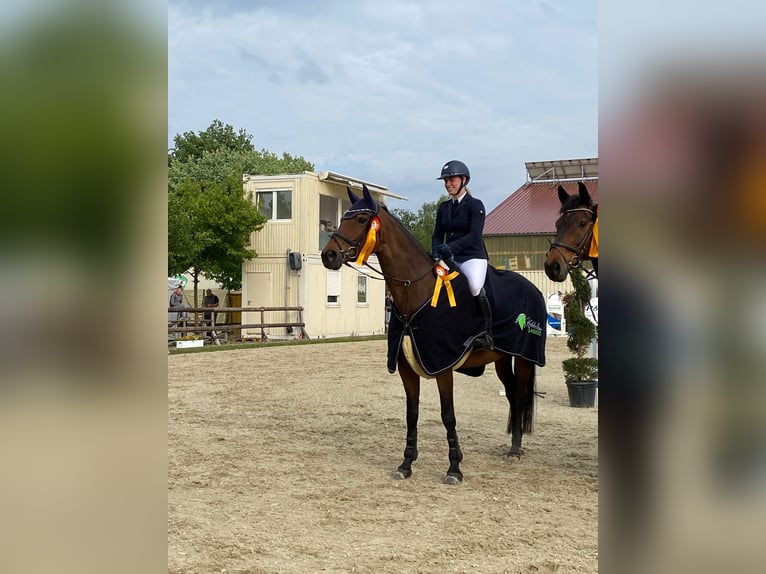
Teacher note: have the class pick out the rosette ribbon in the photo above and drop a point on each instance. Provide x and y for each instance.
(443, 277)
(593, 251)
(369, 243)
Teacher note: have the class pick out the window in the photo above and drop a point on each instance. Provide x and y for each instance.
(333, 288)
(361, 289)
(331, 209)
(275, 205)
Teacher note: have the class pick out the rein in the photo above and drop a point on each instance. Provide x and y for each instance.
(353, 250)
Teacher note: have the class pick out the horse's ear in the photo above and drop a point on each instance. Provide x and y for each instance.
(584, 195)
(368, 197)
(352, 196)
(563, 195)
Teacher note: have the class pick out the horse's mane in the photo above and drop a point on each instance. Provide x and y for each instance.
(412, 237)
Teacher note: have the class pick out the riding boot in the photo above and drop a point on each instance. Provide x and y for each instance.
(483, 342)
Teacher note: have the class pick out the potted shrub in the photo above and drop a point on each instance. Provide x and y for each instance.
(580, 372)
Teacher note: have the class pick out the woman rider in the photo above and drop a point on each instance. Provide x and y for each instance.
(457, 237)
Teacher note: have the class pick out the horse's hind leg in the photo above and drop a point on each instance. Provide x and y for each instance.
(411, 382)
(445, 383)
(519, 386)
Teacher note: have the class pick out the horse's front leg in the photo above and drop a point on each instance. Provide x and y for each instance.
(411, 382)
(445, 383)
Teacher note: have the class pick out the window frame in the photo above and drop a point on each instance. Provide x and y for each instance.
(365, 281)
(274, 202)
(333, 286)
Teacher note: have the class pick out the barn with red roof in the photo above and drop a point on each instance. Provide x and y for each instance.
(518, 232)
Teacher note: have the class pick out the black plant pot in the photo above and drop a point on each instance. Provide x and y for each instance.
(582, 394)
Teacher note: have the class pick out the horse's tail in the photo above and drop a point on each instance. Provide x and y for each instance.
(528, 411)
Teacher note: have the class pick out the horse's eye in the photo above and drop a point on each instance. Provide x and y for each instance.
(583, 224)
(361, 220)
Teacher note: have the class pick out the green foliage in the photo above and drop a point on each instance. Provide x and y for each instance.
(218, 164)
(580, 331)
(191, 146)
(580, 368)
(421, 224)
(209, 218)
(209, 227)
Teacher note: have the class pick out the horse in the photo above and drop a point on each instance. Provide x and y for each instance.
(410, 275)
(576, 235)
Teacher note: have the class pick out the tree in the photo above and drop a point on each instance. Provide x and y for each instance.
(218, 164)
(209, 218)
(421, 225)
(580, 331)
(209, 227)
(191, 146)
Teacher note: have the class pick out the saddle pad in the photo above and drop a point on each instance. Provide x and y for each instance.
(441, 336)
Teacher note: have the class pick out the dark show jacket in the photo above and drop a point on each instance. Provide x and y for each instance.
(462, 230)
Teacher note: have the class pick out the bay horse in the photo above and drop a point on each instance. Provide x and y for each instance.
(409, 272)
(576, 235)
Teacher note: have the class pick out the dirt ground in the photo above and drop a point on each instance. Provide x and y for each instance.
(280, 461)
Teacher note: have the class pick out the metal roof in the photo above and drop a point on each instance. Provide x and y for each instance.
(533, 208)
(352, 182)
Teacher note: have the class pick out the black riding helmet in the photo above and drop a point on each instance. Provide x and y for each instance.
(455, 167)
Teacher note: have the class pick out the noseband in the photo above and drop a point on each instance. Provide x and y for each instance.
(353, 246)
(352, 251)
(578, 252)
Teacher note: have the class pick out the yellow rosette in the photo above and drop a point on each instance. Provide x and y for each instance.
(444, 278)
(369, 243)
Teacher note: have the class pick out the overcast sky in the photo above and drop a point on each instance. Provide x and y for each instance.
(389, 91)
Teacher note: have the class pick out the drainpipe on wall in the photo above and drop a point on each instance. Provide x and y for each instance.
(287, 291)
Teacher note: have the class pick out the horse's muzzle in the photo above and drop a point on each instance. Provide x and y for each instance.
(555, 270)
(332, 259)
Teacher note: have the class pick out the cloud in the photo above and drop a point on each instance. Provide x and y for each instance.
(309, 71)
(272, 73)
(387, 93)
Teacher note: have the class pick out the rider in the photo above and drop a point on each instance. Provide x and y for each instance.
(457, 237)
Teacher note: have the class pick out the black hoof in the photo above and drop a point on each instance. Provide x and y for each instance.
(515, 451)
(401, 474)
(453, 479)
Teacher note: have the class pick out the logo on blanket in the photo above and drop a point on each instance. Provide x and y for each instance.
(532, 327)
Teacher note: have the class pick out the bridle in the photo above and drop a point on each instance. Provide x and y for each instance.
(354, 246)
(578, 251)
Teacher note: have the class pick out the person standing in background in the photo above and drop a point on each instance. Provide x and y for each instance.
(211, 301)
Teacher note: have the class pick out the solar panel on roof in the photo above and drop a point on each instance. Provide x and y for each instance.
(562, 169)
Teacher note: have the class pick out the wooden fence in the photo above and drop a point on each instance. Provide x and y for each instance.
(194, 322)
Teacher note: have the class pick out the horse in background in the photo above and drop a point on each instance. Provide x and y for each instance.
(576, 235)
(411, 278)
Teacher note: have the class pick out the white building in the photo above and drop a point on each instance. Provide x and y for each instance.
(303, 210)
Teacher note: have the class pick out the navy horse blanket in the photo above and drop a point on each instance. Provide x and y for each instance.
(441, 335)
